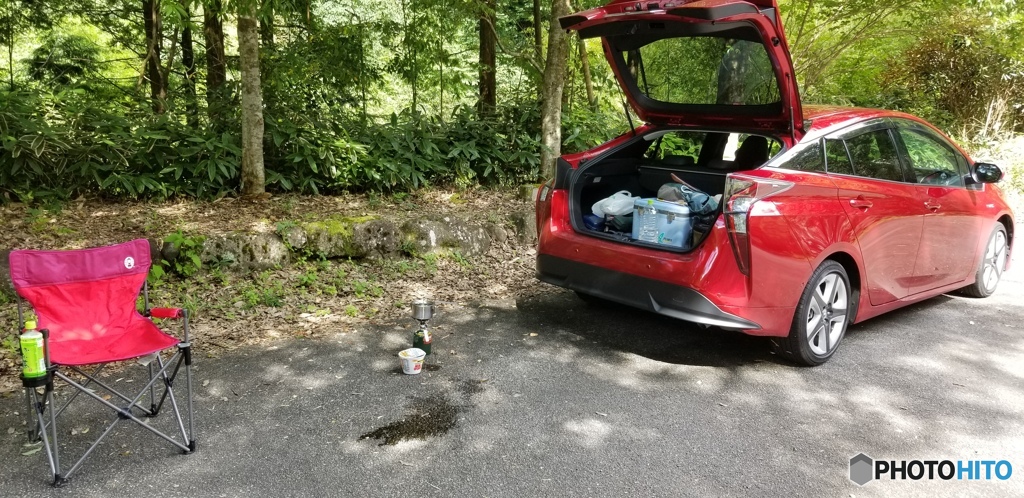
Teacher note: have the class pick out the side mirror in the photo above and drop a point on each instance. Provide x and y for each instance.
(987, 173)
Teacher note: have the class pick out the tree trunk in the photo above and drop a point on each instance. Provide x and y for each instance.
(216, 64)
(253, 183)
(552, 88)
(538, 41)
(488, 80)
(188, 59)
(585, 60)
(154, 43)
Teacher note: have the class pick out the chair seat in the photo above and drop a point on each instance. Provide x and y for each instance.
(102, 344)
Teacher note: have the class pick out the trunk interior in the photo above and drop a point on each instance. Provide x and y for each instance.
(643, 165)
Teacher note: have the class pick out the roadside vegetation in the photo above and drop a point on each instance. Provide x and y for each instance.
(128, 100)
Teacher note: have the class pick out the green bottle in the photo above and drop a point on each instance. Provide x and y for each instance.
(32, 352)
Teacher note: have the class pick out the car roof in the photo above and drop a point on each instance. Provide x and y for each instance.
(825, 116)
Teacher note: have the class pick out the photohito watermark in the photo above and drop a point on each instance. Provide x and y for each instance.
(864, 469)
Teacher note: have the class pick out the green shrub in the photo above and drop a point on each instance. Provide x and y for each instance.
(63, 144)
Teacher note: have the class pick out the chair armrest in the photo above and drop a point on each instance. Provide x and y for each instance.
(167, 313)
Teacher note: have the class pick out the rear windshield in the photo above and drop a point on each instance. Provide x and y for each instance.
(714, 150)
(703, 71)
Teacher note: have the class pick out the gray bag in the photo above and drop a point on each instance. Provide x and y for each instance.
(697, 201)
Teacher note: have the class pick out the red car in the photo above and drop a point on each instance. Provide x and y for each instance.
(814, 217)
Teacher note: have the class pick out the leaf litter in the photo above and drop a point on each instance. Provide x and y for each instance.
(320, 309)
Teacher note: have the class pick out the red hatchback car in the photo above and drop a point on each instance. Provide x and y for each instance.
(819, 216)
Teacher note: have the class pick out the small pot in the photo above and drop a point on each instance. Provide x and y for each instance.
(422, 310)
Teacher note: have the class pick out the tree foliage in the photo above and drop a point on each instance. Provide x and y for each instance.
(360, 97)
(953, 63)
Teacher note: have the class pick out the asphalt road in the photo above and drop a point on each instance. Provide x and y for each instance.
(600, 402)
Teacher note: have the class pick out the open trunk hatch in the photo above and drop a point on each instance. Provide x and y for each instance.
(720, 63)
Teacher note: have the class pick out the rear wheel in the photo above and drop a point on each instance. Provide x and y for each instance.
(825, 310)
(992, 264)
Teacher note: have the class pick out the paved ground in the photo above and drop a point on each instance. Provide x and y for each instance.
(610, 402)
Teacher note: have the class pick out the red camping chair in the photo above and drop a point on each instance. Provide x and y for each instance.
(85, 302)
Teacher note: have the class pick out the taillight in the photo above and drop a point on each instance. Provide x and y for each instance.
(543, 191)
(742, 193)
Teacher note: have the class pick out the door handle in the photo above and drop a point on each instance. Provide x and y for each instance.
(934, 206)
(861, 202)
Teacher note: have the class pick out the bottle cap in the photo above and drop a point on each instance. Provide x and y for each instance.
(650, 202)
(30, 325)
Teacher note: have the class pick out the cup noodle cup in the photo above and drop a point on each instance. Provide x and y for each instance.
(412, 360)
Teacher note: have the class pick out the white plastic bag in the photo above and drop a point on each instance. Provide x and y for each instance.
(618, 204)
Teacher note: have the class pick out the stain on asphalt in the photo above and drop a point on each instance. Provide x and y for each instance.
(431, 416)
(471, 387)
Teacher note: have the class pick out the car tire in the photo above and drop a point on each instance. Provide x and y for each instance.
(992, 264)
(826, 308)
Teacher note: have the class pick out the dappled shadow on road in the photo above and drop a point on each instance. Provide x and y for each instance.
(549, 392)
(659, 338)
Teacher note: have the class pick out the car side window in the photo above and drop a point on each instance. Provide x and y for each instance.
(837, 158)
(809, 159)
(932, 162)
(874, 156)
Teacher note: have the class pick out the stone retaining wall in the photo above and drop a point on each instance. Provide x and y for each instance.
(341, 237)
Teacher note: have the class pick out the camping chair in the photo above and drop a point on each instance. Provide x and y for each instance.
(86, 304)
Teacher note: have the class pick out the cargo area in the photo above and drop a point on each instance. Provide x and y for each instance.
(645, 165)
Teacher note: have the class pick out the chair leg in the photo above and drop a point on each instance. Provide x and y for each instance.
(168, 394)
(49, 438)
(187, 351)
(45, 426)
(191, 411)
(153, 408)
(30, 415)
(122, 413)
(58, 479)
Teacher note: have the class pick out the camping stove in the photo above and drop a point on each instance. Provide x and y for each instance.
(422, 311)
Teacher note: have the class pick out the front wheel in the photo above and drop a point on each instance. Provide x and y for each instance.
(825, 310)
(993, 262)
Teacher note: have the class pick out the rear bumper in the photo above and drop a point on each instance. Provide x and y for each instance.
(644, 293)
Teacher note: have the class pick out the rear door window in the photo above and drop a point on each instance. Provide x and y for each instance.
(874, 155)
(837, 158)
(809, 159)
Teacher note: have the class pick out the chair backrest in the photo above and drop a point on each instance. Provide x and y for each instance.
(84, 293)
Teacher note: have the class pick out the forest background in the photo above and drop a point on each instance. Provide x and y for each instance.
(158, 99)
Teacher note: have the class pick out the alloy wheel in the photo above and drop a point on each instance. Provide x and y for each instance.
(995, 261)
(826, 315)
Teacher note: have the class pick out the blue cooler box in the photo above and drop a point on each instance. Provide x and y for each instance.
(675, 228)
